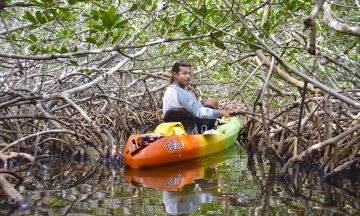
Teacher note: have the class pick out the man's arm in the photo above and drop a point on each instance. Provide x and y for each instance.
(189, 102)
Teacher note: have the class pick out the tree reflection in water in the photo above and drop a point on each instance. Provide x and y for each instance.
(220, 184)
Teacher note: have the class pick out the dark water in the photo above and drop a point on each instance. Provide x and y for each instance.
(220, 184)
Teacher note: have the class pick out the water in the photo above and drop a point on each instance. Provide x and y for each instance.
(219, 184)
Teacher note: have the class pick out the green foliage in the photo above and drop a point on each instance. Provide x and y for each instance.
(30, 17)
(218, 43)
(66, 26)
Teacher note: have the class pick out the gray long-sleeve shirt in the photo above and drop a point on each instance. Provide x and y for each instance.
(177, 97)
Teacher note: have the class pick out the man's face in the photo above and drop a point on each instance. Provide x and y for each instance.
(183, 77)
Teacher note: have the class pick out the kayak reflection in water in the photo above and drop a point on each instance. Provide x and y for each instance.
(185, 185)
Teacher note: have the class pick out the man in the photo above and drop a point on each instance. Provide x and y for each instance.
(176, 97)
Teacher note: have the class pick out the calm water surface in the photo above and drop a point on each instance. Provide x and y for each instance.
(220, 184)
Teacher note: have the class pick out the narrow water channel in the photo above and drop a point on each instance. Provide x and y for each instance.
(219, 184)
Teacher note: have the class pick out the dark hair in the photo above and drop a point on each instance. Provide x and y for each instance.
(176, 67)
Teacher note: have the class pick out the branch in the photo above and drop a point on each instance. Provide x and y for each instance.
(282, 61)
(38, 134)
(338, 26)
(311, 22)
(152, 90)
(81, 111)
(10, 155)
(98, 79)
(10, 191)
(216, 28)
(285, 76)
(15, 29)
(97, 51)
(266, 13)
(246, 81)
(317, 146)
(4, 5)
(266, 83)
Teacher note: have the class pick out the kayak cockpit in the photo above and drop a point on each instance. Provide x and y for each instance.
(140, 142)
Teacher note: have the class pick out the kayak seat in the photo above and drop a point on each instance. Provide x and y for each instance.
(147, 139)
(187, 120)
(142, 142)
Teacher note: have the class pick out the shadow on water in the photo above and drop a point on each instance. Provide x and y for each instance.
(225, 183)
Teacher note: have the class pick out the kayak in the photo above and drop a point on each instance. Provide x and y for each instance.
(169, 143)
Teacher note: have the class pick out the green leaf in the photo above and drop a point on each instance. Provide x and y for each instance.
(33, 48)
(219, 44)
(203, 10)
(111, 11)
(146, 6)
(218, 34)
(48, 17)
(73, 62)
(211, 12)
(94, 14)
(63, 33)
(30, 17)
(48, 1)
(64, 49)
(33, 38)
(46, 49)
(14, 36)
(116, 36)
(122, 23)
(186, 31)
(154, 6)
(40, 17)
(167, 22)
(97, 27)
(99, 43)
(143, 31)
(178, 19)
(134, 7)
(87, 71)
(241, 32)
(106, 21)
(27, 40)
(37, 2)
(291, 5)
(72, 2)
(55, 50)
(267, 27)
(194, 30)
(91, 40)
(115, 18)
(253, 47)
(193, 27)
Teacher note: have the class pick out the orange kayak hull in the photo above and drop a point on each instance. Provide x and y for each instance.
(175, 148)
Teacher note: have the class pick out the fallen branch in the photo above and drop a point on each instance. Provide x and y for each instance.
(338, 26)
(315, 147)
(11, 192)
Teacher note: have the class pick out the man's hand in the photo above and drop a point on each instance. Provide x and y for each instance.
(228, 113)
